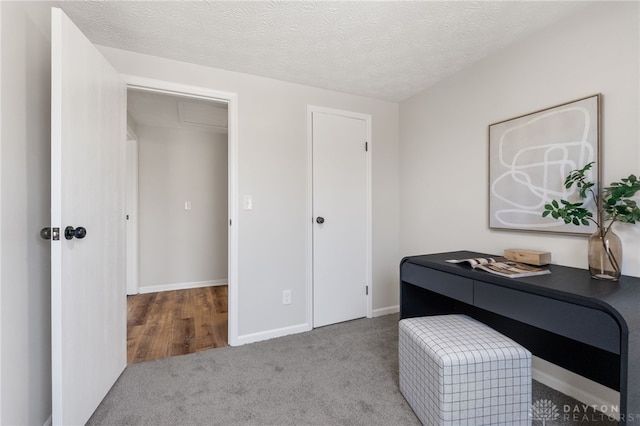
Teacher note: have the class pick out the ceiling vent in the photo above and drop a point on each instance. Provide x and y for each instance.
(200, 114)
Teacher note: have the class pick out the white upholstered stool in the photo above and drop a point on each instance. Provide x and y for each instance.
(455, 370)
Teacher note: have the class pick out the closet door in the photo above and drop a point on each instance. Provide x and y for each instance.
(340, 217)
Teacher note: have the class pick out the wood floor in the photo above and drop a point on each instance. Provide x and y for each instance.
(168, 323)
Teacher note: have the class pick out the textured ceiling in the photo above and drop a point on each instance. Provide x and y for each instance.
(386, 49)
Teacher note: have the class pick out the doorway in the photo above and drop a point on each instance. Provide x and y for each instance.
(88, 305)
(181, 210)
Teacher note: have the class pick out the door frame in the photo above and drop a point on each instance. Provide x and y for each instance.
(309, 206)
(167, 87)
(131, 206)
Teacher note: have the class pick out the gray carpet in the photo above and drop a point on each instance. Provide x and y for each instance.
(344, 374)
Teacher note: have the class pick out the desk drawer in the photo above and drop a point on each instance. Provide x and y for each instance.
(449, 285)
(586, 325)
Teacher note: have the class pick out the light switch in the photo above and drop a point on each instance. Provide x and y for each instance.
(187, 205)
(247, 202)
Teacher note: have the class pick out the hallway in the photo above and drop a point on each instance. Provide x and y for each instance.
(177, 322)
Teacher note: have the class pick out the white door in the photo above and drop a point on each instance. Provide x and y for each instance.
(340, 217)
(88, 294)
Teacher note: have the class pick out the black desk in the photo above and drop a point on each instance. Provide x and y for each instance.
(587, 326)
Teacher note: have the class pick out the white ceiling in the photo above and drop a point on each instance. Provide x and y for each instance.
(384, 49)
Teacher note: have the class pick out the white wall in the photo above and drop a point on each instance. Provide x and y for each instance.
(24, 210)
(444, 146)
(176, 246)
(272, 162)
(1, 331)
(444, 142)
(272, 168)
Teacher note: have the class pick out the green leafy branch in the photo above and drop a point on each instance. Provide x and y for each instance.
(618, 204)
(614, 202)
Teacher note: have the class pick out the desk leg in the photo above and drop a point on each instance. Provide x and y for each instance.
(630, 380)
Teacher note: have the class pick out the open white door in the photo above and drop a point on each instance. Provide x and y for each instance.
(88, 294)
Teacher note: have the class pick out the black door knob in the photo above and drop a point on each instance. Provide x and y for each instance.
(320, 220)
(78, 232)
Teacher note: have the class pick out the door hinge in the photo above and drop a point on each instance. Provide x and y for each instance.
(366, 292)
(366, 146)
(230, 222)
(127, 217)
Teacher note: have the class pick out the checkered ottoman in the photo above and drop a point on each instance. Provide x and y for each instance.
(455, 370)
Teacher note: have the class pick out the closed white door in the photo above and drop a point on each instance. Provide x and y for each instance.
(340, 214)
(88, 293)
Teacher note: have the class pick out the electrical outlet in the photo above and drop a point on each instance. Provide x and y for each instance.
(286, 297)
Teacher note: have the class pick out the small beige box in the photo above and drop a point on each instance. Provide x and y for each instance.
(530, 257)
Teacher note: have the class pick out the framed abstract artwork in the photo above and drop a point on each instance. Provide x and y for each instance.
(529, 159)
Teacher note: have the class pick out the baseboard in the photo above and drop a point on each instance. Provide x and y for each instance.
(300, 328)
(270, 334)
(584, 390)
(180, 286)
(385, 311)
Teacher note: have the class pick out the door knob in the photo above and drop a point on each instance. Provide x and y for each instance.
(45, 233)
(78, 232)
(50, 233)
(320, 220)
